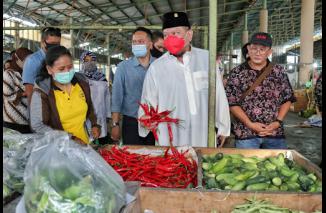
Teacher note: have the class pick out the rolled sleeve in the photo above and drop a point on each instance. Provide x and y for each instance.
(118, 90)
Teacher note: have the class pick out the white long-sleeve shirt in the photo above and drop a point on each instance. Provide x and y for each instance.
(183, 88)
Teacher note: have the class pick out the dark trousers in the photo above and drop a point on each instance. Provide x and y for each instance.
(130, 134)
(25, 129)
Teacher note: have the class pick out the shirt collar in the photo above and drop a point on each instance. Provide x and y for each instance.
(136, 63)
(42, 52)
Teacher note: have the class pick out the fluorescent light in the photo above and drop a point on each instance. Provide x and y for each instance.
(315, 65)
(225, 62)
(24, 22)
(84, 44)
(290, 67)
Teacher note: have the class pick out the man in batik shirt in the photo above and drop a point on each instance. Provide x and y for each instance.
(259, 116)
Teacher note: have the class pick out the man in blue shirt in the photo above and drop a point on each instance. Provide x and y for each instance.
(50, 37)
(127, 90)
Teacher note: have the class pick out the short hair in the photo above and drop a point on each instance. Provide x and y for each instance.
(50, 31)
(157, 35)
(143, 29)
(51, 56)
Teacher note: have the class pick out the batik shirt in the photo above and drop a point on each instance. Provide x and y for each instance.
(318, 92)
(263, 103)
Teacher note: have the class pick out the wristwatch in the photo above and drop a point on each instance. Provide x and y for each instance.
(114, 124)
(279, 121)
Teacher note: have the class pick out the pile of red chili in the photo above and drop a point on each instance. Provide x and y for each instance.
(168, 171)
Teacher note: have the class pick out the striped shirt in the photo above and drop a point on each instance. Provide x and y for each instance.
(14, 112)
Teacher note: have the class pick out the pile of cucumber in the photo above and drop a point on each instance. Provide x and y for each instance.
(236, 172)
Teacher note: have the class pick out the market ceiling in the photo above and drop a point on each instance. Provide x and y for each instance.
(283, 17)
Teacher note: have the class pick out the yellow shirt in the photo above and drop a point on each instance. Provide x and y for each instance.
(72, 111)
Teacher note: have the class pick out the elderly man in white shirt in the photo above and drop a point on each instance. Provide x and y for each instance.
(178, 81)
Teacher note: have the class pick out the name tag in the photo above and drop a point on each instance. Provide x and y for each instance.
(200, 80)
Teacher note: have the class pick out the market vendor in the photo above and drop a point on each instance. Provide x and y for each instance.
(178, 81)
(61, 98)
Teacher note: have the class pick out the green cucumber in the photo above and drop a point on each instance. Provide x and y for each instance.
(277, 181)
(257, 179)
(207, 166)
(245, 175)
(286, 172)
(257, 186)
(219, 165)
(239, 186)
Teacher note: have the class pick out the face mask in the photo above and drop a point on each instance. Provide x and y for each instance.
(64, 77)
(48, 46)
(139, 50)
(156, 53)
(174, 44)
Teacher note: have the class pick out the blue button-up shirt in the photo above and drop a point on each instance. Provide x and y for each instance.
(127, 87)
(32, 66)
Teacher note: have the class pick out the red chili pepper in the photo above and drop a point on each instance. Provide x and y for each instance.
(172, 171)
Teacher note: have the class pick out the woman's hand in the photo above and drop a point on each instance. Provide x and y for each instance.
(96, 131)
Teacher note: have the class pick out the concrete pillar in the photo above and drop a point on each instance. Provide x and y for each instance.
(306, 40)
(72, 40)
(17, 39)
(231, 53)
(263, 18)
(109, 61)
(245, 33)
(212, 73)
(205, 45)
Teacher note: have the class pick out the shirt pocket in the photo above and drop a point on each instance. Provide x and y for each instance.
(200, 80)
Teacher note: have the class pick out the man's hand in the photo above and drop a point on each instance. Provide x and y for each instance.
(115, 133)
(96, 131)
(257, 127)
(221, 140)
(270, 129)
(145, 117)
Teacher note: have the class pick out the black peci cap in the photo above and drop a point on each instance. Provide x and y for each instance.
(175, 19)
(261, 38)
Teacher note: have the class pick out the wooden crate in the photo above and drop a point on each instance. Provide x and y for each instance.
(197, 201)
(201, 200)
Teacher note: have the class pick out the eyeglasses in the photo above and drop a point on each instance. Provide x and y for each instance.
(261, 50)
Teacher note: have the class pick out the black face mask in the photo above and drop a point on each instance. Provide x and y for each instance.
(156, 53)
(48, 46)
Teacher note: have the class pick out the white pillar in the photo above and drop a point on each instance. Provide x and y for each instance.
(263, 18)
(306, 40)
(109, 55)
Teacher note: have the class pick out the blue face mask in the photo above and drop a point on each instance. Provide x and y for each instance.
(139, 50)
(64, 77)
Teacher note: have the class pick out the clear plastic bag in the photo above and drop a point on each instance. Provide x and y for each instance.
(16, 150)
(63, 176)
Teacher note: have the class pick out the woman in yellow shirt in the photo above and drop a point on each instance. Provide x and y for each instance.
(61, 98)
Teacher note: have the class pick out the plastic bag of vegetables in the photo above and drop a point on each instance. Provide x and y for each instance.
(16, 150)
(63, 176)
